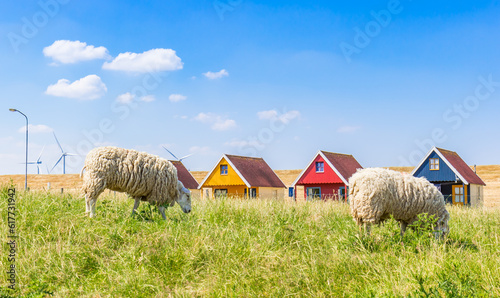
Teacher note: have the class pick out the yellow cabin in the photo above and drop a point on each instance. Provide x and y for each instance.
(241, 176)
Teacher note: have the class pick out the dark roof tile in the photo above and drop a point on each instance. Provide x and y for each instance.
(347, 165)
(184, 176)
(459, 164)
(256, 171)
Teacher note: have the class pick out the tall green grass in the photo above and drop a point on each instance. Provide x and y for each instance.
(241, 248)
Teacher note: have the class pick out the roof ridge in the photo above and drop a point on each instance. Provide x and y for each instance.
(446, 150)
(240, 156)
(335, 153)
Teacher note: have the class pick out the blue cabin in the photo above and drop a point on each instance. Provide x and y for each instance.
(458, 183)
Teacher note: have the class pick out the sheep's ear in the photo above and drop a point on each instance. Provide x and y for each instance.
(180, 186)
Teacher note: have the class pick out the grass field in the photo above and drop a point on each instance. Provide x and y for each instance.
(241, 248)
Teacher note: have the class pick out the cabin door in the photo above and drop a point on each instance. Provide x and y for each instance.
(458, 195)
(252, 192)
(342, 194)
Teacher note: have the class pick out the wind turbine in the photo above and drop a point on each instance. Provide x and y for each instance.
(63, 156)
(176, 158)
(38, 162)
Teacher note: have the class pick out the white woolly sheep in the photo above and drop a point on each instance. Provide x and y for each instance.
(143, 176)
(375, 194)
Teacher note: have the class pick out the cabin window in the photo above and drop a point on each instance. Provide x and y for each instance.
(223, 169)
(220, 193)
(320, 167)
(459, 195)
(313, 193)
(434, 164)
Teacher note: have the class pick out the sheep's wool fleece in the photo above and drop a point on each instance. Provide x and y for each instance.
(139, 174)
(376, 193)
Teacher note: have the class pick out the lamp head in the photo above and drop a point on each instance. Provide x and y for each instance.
(13, 110)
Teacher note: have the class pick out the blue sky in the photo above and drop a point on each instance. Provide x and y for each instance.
(381, 80)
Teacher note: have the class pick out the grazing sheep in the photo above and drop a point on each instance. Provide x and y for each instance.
(143, 176)
(377, 193)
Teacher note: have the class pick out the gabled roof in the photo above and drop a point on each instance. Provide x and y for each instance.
(343, 165)
(456, 164)
(184, 176)
(254, 172)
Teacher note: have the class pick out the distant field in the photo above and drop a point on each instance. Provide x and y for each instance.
(490, 175)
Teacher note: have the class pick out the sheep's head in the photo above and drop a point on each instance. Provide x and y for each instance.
(184, 199)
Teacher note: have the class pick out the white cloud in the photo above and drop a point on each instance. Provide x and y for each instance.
(154, 60)
(125, 98)
(204, 117)
(265, 115)
(40, 128)
(216, 121)
(67, 51)
(216, 75)
(177, 97)
(128, 97)
(203, 150)
(148, 98)
(289, 116)
(87, 88)
(224, 124)
(273, 114)
(348, 129)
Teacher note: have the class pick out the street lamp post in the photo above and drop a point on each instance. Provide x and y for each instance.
(26, 169)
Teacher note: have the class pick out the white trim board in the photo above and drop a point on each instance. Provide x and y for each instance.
(435, 149)
(329, 164)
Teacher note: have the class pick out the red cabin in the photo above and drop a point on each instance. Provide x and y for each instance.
(326, 177)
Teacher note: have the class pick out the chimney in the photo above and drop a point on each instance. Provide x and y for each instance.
(475, 169)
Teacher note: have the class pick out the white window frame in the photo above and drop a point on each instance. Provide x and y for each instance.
(322, 166)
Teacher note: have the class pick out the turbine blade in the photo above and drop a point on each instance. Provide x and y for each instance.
(60, 158)
(39, 156)
(58, 142)
(170, 153)
(185, 156)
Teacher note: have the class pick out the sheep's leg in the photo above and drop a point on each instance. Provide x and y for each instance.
(367, 226)
(87, 204)
(92, 193)
(161, 209)
(136, 204)
(403, 227)
(92, 203)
